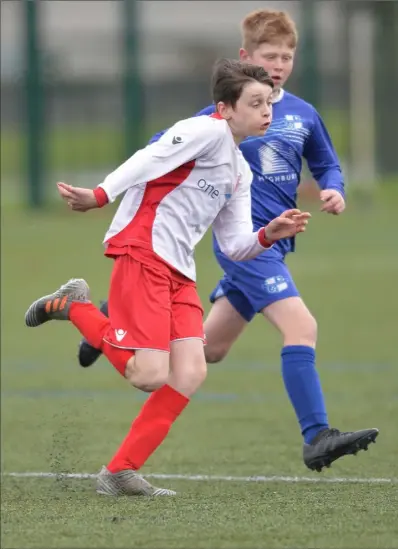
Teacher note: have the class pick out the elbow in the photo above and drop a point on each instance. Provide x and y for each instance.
(235, 253)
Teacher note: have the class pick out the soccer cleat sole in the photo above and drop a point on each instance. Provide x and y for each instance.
(320, 462)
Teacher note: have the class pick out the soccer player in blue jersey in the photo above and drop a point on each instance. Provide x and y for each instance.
(264, 285)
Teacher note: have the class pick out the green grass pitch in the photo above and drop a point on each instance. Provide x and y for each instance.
(59, 418)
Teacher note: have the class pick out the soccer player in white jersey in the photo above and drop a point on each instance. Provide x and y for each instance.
(193, 177)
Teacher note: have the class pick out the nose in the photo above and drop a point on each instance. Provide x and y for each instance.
(267, 110)
(278, 65)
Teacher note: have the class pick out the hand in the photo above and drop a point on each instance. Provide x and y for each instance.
(288, 224)
(77, 198)
(333, 202)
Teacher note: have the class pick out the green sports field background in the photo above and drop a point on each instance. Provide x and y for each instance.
(59, 418)
(70, 81)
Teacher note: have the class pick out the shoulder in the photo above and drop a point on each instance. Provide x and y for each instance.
(203, 125)
(298, 104)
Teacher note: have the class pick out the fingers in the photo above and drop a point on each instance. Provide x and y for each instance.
(327, 194)
(333, 202)
(73, 196)
(297, 220)
(76, 207)
(340, 208)
(68, 196)
(298, 223)
(65, 186)
(290, 213)
(295, 214)
(303, 216)
(333, 206)
(66, 191)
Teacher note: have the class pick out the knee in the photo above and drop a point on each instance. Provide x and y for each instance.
(148, 376)
(194, 377)
(304, 332)
(310, 329)
(199, 374)
(216, 353)
(187, 380)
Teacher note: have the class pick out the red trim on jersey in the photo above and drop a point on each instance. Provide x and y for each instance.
(101, 197)
(263, 239)
(139, 231)
(217, 115)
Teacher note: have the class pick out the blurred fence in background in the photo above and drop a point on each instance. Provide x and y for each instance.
(83, 84)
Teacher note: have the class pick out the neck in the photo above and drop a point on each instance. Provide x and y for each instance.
(277, 92)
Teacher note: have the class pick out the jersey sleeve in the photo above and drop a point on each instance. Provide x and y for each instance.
(185, 141)
(322, 158)
(233, 226)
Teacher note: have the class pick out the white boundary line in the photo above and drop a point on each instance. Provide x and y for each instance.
(220, 478)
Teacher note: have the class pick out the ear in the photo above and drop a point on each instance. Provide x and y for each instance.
(244, 55)
(223, 110)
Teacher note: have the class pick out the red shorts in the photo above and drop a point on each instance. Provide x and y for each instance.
(149, 306)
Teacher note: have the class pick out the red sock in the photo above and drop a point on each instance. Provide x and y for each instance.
(117, 357)
(149, 429)
(90, 322)
(93, 325)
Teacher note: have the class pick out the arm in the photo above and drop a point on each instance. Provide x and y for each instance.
(322, 158)
(233, 227)
(185, 141)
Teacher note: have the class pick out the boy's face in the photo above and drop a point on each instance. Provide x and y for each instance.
(277, 59)
(252, 113)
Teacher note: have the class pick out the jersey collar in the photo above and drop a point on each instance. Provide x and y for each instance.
(217, 116)
(280, 96)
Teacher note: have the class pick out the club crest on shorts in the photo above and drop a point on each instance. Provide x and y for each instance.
(119, 334)
(275, 284)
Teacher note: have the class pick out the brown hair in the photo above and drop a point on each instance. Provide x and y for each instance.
(230, 77)
(268, 26)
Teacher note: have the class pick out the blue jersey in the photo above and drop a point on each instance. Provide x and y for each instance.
(296, 132)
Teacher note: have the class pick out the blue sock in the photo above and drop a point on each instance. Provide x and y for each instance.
(304, 389)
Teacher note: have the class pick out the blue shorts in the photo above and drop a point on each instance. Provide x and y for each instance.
(250, 286)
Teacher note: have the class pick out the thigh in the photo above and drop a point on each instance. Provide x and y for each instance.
(139, 306)
(226, 290)
(223, 325)
(294, 321)
(186, 313)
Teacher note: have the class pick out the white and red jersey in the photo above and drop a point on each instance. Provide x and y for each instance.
(193, 177)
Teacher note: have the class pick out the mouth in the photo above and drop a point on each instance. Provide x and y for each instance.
(276, 79)
(265, 126)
